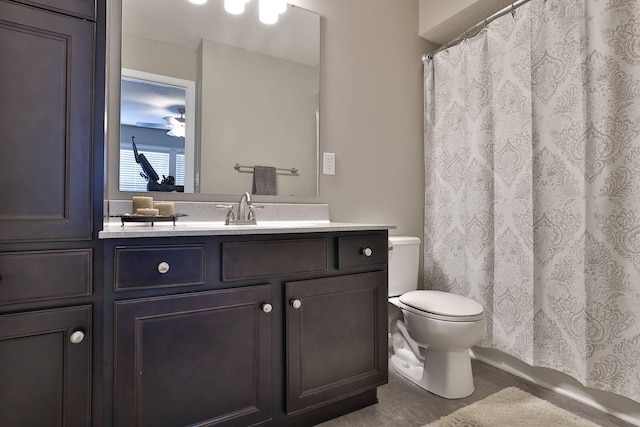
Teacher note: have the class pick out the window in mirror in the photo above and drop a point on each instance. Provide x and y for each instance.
(165, 162)
(157, 112)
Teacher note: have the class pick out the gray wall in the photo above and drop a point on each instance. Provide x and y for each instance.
(371, 94)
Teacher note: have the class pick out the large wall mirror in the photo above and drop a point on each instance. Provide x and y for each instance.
(206, 96)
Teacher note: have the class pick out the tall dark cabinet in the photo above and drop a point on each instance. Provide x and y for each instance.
(51, 81)
(46, 103)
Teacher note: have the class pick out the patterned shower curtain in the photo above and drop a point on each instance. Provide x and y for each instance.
(532, 157)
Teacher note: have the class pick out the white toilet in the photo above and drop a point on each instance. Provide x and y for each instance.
(432, 331)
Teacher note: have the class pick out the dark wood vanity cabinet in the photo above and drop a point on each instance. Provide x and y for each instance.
(276, 334)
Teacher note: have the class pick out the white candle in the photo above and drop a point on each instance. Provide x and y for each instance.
(139, 202)
(147, 211)
(165, 208)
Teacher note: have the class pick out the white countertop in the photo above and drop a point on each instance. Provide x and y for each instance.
(115, 230)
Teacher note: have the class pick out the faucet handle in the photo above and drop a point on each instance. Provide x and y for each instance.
(251, 215)
(230, 216)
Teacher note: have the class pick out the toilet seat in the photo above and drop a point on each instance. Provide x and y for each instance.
(442, 306)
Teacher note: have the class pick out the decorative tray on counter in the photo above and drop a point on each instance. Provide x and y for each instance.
(149, 218)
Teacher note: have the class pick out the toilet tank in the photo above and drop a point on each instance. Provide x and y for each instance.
(404, 262)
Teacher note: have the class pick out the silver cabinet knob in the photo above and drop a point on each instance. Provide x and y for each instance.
(367, 252)
(296, 303)
(76, 337)
(163, 267)
(267, 308)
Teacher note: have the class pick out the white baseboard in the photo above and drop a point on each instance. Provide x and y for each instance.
(610, 403)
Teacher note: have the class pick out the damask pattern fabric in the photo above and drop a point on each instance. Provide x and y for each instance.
(532, 157)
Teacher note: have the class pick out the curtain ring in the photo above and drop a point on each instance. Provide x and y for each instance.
(513, 10)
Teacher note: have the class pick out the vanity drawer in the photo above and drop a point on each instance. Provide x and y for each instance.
(43, 275)
(158, 266)
(247, 260)
(362, 251)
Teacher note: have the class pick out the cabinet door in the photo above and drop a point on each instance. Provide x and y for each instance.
(336, 337)
(194, 359)
(45, 379)
(46, 117)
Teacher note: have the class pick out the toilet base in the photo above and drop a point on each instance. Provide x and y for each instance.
(445, 373)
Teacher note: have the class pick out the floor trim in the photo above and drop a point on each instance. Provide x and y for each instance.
(610, 403)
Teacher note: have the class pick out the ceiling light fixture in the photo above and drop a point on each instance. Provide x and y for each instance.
(234, 7)
(198, 1)
(281, 6)
(268, 10)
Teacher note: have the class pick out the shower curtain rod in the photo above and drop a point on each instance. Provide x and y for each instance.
(476, 28)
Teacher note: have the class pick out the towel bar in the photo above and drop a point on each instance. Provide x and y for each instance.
(237, 166)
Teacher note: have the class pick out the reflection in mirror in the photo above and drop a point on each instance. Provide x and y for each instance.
(146, 97)
(257, 91)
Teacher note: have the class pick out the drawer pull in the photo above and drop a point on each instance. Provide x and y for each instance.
(367, 252)
(163, 267)
(76, 337)
(267, 308)
(296, 303)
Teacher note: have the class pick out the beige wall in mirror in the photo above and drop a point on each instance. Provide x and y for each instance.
(277, 124)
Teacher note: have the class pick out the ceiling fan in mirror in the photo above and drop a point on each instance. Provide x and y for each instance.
(173, 125)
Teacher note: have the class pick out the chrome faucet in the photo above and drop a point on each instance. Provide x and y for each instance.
(245, 214)
(245, 203)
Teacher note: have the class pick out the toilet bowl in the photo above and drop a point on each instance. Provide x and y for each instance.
(443, 337)
(432, 335)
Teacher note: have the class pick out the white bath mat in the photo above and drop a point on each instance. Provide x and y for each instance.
(511, 407)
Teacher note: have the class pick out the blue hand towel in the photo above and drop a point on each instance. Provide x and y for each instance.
(264, 180)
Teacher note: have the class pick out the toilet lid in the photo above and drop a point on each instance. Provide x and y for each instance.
(442, 303)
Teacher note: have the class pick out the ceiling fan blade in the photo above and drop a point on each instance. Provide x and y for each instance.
(153, 125)
(173, 121)
(177, 132)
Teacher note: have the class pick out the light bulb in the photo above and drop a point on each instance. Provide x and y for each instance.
(267, 12)
(281, 6)
(234, 7)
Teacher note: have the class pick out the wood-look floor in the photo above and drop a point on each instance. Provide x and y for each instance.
(404, 404)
